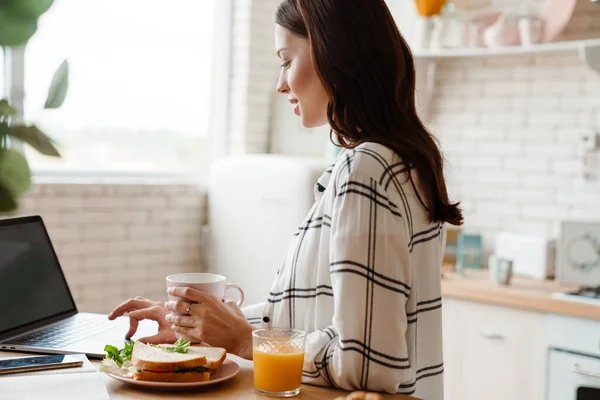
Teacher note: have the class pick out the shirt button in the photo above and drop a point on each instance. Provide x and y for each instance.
(266, 320)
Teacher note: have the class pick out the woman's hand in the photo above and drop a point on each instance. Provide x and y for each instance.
(217, 322)
(139, 309)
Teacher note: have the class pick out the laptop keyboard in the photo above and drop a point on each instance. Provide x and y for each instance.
(65, 333)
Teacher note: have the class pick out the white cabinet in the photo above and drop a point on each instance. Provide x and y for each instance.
(452, 334)
(493, 352)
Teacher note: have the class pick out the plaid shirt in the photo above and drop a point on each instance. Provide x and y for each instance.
(362, 278)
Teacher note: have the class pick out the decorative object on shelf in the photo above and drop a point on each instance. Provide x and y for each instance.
(448, 29)
(18, 21)
(532, 255)
(503, 32)
(469, 251)
(451, 245)
(531, 30)
(500, 270)
(578, 255)
(424, 25)
(556, 15)
(476, 25)
(429, 8)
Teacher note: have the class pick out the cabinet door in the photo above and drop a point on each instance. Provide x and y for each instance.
(502, 353)
(452, 331)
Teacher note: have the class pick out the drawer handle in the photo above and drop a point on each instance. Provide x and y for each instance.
(578, 370)
(492, 336)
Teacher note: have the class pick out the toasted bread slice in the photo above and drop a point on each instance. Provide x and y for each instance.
(214, 355)
(171, 376)
(150, 358)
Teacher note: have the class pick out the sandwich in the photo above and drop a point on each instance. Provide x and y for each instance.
(159, 363)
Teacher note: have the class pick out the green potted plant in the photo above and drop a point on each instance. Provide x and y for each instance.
(18, 22)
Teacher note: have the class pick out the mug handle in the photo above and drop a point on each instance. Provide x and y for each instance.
(239, 289)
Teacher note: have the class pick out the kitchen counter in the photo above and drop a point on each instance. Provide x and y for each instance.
(526, 294)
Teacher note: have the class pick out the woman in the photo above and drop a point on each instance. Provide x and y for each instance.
(362, 275)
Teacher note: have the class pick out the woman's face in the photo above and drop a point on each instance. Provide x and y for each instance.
(299, 80)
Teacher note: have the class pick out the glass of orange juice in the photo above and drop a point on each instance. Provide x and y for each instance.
(278, 360)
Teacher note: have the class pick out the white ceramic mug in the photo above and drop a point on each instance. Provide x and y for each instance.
(205, 282)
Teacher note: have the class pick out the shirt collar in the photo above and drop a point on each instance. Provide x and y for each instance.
(323, 181)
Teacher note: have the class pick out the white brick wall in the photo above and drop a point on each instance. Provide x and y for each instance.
(117, 241)
(510, 129)
(253, 76)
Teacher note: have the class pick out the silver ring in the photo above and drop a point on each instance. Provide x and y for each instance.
(187, 310)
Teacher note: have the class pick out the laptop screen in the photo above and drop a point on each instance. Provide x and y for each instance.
(32, 285)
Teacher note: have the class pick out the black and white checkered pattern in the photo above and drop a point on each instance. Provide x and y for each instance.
(363, 278)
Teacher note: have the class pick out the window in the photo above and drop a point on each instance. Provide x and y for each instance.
(141, 84)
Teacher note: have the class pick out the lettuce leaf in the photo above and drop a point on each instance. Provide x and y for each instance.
(180, 346)
(119, 356)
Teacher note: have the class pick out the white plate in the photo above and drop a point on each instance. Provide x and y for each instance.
(226, 371)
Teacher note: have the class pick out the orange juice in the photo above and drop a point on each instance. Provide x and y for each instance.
(278, 369)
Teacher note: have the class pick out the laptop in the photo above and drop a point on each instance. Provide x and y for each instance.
(37, 311)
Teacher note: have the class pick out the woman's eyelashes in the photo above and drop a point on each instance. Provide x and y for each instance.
(286, 64)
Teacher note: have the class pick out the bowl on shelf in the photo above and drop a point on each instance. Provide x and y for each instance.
(555, 16)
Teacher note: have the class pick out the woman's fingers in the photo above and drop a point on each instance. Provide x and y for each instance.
(182, 320)
(189, 332)
(191, 294)
(178, 306)
(133, 325)
(131, 304)
(200, 310)
(151, 313)
(159, 338)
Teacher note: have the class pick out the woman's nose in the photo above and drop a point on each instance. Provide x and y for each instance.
(282, 86)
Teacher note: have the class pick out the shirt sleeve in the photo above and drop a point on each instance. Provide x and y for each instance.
(254, 312)
(365, 347)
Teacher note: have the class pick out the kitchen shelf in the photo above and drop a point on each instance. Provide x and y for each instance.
(425, 61)
(552, 47)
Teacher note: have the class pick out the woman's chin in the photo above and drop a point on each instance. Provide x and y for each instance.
(312, 122)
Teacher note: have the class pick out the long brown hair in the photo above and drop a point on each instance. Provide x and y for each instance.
(368, 70)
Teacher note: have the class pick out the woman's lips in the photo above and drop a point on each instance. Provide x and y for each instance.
(297, 109)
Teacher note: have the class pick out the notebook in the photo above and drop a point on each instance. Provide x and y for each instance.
(57, 384)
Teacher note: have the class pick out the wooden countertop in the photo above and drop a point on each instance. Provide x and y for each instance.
(239, 387)
(526, 294)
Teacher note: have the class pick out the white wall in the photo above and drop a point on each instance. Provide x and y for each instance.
(254, 75)
(117, 241)
(510, 129)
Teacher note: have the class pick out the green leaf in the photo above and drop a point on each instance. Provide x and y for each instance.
(31, 8)
(35, 138)
(7, 201)
(5, 109)
(58, 87)
(15, 175)
(14, 29)
(180, 346)
(113, 353)
(127, 351)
